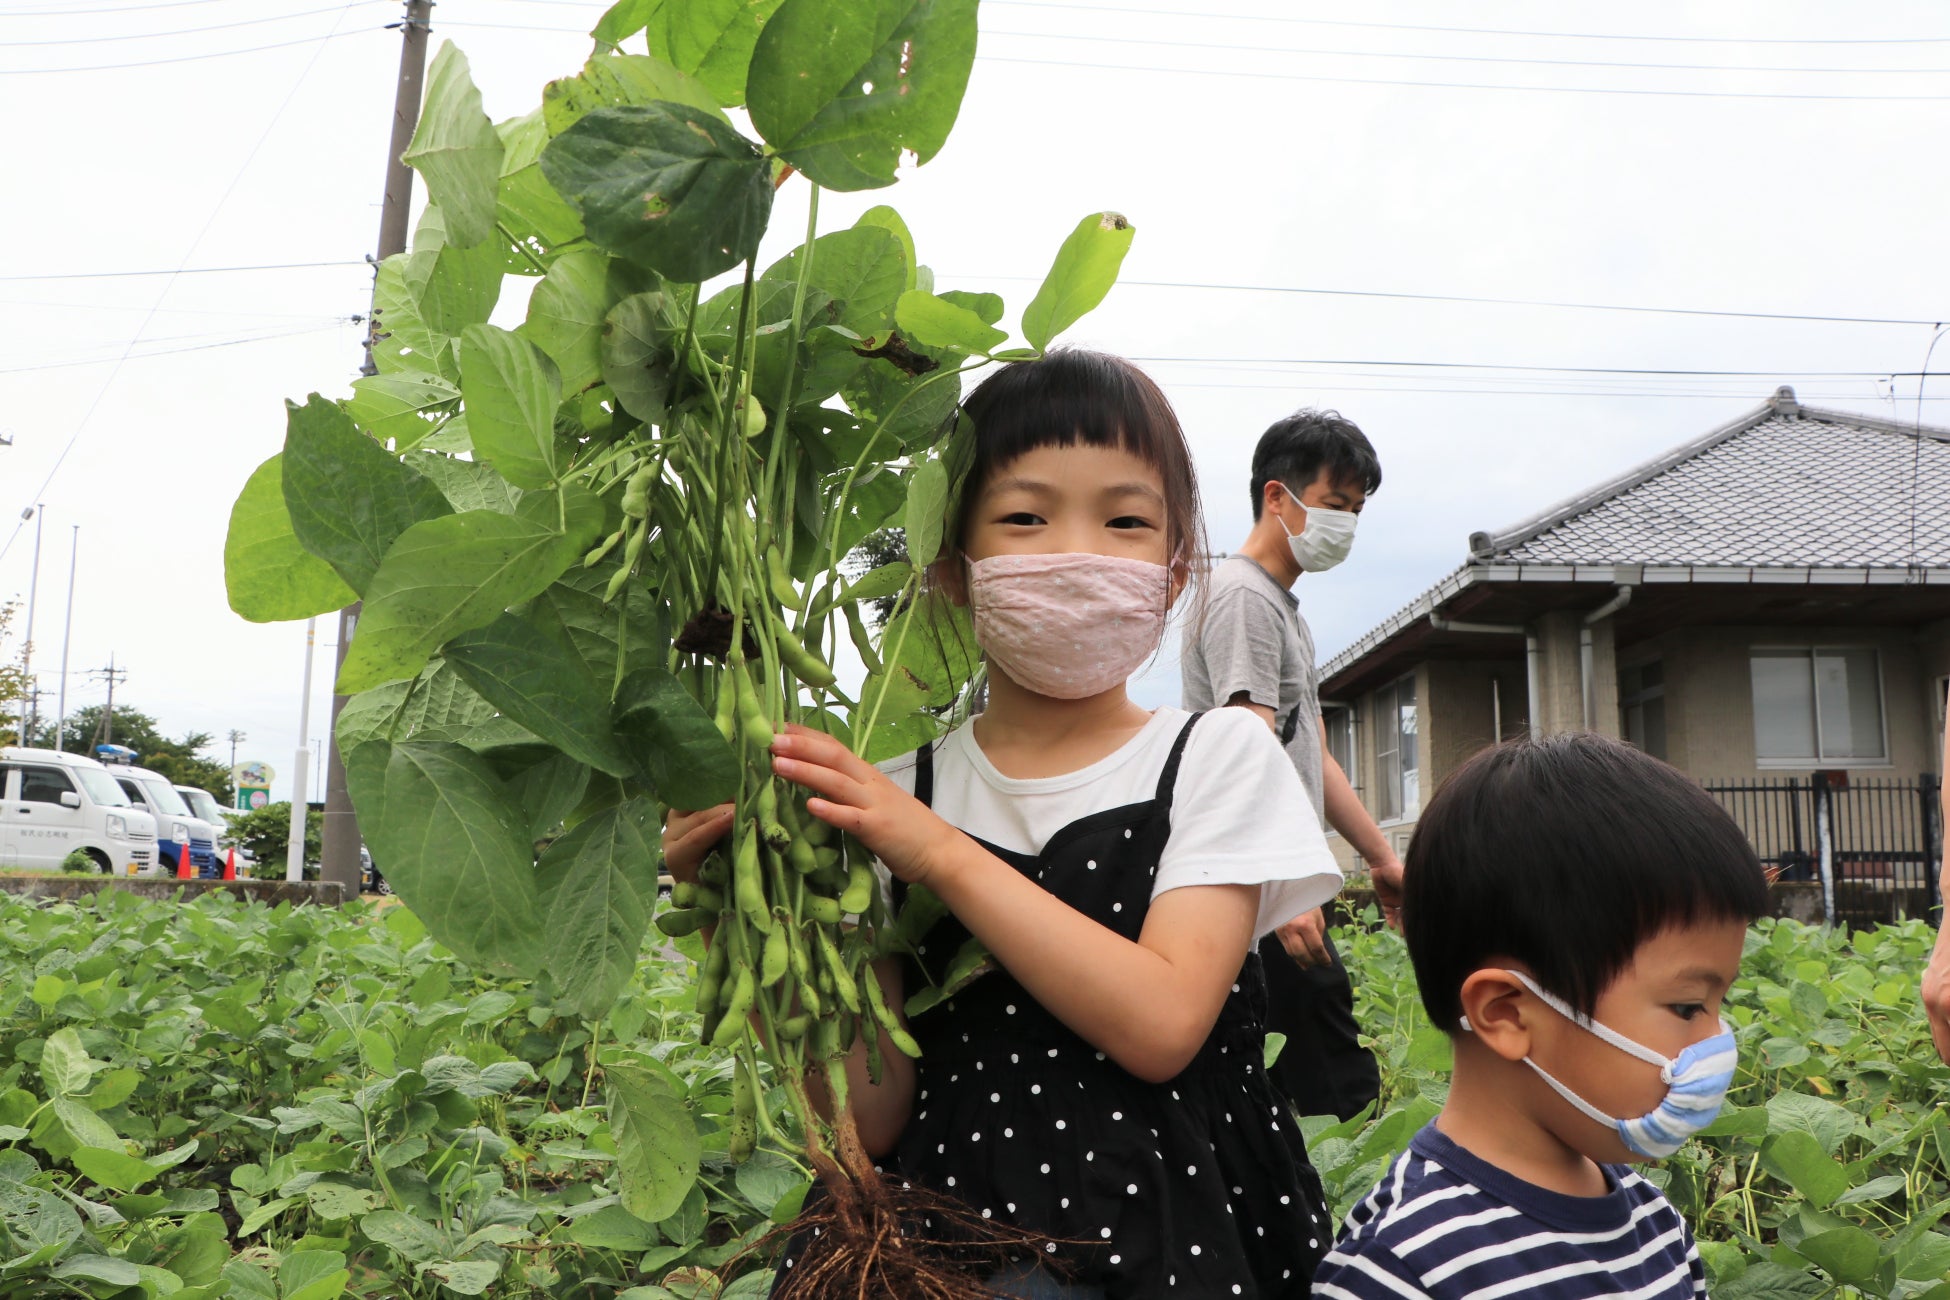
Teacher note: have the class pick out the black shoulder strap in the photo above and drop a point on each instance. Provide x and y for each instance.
(1169, 777)
(924, 775)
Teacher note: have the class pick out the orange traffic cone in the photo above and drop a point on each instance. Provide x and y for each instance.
(230, 864)
(185, 870)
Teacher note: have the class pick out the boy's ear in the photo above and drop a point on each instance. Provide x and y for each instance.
(1494, 1004)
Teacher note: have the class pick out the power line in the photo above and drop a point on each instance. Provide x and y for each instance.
(1471, 31)
(1496, 302)
(169, 311)
(88, 416)
(1272, 362)
(1533, 392)
(186, 31)
(188, 270)
(65, 12)
(186, 58)
(337, 323)
(1449, 58)
(1233, 73)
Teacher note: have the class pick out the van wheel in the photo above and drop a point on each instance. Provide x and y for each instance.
(100, 859)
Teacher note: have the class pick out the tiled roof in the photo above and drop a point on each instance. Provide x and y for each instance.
(1787, 486)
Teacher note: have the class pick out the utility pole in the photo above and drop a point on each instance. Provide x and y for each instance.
(339, 850)
(112, 675)
(30, 698)
(236, 737)
(67, 633)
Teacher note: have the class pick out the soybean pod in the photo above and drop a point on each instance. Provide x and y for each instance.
(737, 1008)
(856, 627)
(843, 980)
(896, 1032)
(747, 884)
(744, 1111)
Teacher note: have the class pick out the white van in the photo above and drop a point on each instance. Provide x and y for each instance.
(205, 805)
(178, 830)
(53, 804)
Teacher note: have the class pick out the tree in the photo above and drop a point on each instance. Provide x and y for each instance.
(177, 760)
(266, 834)
(13, 675)
(875, 549)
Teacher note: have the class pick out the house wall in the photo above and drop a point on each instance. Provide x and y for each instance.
(1709, 694)
(1933, 653)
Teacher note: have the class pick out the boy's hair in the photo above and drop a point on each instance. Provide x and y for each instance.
(1295, 450)
(1565, 854)
(1074, 396)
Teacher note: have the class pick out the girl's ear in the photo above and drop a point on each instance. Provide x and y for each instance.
(1494, 1003)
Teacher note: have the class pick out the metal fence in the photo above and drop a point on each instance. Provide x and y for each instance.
(1874, 843)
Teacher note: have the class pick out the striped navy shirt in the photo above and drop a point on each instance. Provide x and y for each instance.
(1445, 1225)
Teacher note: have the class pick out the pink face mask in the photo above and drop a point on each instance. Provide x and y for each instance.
(1068, 626)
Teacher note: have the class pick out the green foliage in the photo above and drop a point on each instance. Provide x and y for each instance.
(179, 759)
(265, 833)
(224, 1101)
(1828, 1173)
(600, 555)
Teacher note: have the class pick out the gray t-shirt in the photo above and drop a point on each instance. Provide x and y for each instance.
(1247, 635)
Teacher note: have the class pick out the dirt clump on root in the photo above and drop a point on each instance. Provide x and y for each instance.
(900, 1241)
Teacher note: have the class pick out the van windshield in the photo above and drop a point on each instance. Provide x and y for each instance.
(204, 805)
(101, 787)
(165, 797)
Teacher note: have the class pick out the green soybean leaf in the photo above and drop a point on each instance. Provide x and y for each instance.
(710, 39)
(842, 87)
(467, 484)
(456, 149)
(1873, 1190)
(512, 389)
(915, 411)
(268, 576)
(537, 681)
(454, 847)
(404, 409)
(527, 206)
(466, 1277)
(82, 1125)
(66, 1066)
(657, 1147)
(600, 909)
(633, 359)
(548, 791)
(565, 316)
(435, 706)
(99, 1268)
(927, 511)
(116, 1170)
(349, 498)
(863, 269)
(1768, 1280)
(939, 325)
(450, 575)
(1797, 1159)
(667, 186)
(885, 217)
(1826, 1122)
(413, 1239)
(313, 1275)
(1847, 1254)
(614, 80)
(1085, 269)
(765, 1179)
(675, 741)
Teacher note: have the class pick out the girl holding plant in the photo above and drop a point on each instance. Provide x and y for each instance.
(1100, 1083)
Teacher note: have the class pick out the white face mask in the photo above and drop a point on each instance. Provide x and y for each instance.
(1325, 540)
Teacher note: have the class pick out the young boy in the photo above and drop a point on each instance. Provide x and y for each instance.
(1575, 912)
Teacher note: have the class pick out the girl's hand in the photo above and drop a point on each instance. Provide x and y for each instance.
(690, 836)
(855, 796)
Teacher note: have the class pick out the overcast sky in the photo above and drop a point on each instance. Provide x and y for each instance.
(1769, 158)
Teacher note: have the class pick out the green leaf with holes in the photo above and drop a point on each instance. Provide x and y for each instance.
(456, 149)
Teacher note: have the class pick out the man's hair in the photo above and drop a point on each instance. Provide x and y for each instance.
(1565, 854)
(1295, 450)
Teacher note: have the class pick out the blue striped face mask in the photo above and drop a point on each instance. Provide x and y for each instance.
(1696, 1082)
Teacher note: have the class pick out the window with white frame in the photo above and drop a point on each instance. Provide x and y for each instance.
(1339, 721)
(1397, 765)
(1818, 705)
(1642, 706)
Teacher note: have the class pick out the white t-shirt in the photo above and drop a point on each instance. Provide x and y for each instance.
(1238, 813)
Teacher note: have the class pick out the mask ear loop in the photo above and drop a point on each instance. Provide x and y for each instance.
(1590, 1026)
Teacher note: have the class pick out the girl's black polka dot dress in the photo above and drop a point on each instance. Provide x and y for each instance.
(1199, 1186)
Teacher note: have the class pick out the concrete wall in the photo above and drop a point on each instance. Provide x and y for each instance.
(1710, 703)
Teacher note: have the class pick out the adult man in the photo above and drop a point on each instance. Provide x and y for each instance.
(1248, 646)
